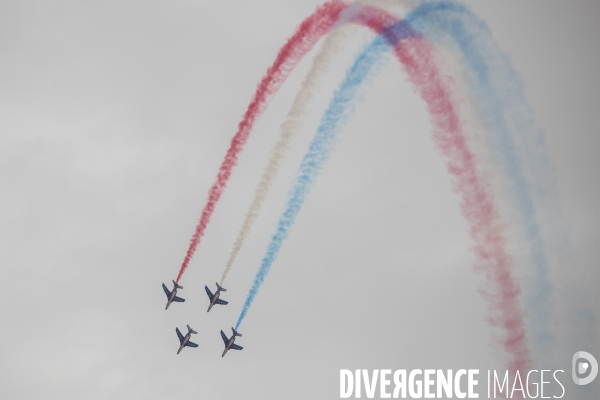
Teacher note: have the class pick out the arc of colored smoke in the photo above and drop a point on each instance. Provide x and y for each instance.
(477, 205)
(293, 120)
(302, 41)
(319, 151)
(506, 116)
(289, 129)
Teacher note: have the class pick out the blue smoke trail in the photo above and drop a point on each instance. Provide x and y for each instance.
(504, 113)
(340, 107)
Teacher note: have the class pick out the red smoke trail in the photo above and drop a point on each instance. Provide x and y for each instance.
(494, 263)
(302, 41)
(477, 205)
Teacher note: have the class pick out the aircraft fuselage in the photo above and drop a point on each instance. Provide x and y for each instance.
(184, 342)
(171, 297)
(230, 342)
(214, 299)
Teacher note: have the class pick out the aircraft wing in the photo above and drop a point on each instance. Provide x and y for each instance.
(178, 299)
(179, 335)
(166, 290)
(219, 301)
(236, 347)
(208, 292)
(224, 337)
(191, 344)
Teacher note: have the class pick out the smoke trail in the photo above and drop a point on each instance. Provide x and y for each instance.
(293, 121)
(305, 37)
(289, 129)
(501, 292)
(319, 151)
(506, 116)
(477, 205)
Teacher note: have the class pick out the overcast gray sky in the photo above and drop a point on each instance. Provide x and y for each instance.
(114, 119)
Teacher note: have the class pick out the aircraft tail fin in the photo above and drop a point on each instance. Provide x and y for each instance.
(177, 286)
(235, 333)
(219, 287)
(190, 330)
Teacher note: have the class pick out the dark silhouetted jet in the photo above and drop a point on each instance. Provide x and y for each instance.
(229, 343)
(172, 296)
(185, 340)
(214, 298)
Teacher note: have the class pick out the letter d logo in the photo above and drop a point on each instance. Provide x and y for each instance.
(581, 367)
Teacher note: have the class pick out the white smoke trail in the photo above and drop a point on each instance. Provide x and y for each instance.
(292, 124)
(332, 45)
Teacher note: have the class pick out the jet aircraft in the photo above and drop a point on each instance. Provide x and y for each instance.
(229, 343)
(172, 296)
(214, 298)
(185, 340)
